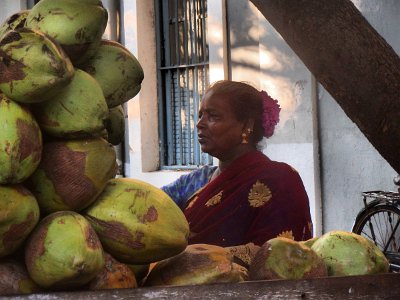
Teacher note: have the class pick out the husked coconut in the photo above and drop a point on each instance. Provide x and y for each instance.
(19, 214)
(77, 25)
(63, 252)
(33, 67)
(198, 264)
(117, 70)
(72, 174)
(115, 275)
(79, 110)
(137, 222)
(20, 142)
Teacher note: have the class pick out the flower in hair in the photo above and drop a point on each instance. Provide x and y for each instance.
(270, 115)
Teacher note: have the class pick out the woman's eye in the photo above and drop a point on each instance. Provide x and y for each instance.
(214, 116)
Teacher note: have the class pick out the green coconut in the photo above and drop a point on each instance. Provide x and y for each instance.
(346, 253)
(117, 70)
(19, 214)
(72, 174)
(63, 252)
(14, 21)
(198, 264)
(284, 258)
(77, 25)
(137, 222)
(115, 125)
(33, 67)
(79, 110)
(15, 280)
(20, 142)
(309, 242)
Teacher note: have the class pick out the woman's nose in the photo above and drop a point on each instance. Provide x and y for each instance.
(200, 123)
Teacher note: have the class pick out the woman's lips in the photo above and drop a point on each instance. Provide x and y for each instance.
(201, 138)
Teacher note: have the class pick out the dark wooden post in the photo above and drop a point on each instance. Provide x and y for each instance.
(350, 59)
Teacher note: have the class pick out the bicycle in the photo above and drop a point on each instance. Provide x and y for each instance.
(379, 221)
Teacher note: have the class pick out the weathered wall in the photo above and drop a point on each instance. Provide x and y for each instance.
(350, 164)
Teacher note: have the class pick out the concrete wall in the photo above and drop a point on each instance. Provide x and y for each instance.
(8, 7)
(350, 164)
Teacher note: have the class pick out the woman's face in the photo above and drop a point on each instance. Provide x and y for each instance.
(219, 132)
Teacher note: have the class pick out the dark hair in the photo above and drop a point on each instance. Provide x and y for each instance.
(246, 102)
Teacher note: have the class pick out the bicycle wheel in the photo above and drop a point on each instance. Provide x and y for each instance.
(381, 224)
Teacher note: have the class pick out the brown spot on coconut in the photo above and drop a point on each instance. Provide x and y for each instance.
(20, 142)
(28, 143)
(19, 214)
(150, 216)
(118, 213)
(115, 231)
(64, 260)
(72, 174)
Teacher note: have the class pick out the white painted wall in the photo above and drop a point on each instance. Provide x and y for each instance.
(9, 7)
(350, 164)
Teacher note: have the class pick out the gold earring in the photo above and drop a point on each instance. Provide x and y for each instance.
(244, 138)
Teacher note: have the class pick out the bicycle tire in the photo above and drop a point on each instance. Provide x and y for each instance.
(381, 224)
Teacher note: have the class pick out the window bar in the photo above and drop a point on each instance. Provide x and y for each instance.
(194, 42)
(177, 58)
(166, 35)
(160, 81)
(196, 147)
(199, 33)
(188, 118)
(204, 40)
(169, 91)
(169, 112)
(179, 110)
(185, 30)
(189, 42)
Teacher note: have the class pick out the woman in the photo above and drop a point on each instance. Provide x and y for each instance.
(248, 198)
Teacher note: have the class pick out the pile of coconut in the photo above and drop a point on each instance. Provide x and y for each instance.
(66, 220)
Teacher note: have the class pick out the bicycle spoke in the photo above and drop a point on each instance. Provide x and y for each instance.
(381, 227)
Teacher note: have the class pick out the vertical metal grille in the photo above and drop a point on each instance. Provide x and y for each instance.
(183, 74)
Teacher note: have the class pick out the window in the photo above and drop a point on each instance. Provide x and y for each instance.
(182, 78)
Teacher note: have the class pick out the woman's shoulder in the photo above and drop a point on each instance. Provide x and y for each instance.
(281, 169)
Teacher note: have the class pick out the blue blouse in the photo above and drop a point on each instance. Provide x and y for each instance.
(186, 185)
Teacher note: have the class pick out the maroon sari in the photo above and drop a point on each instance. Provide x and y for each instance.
(253, 200)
